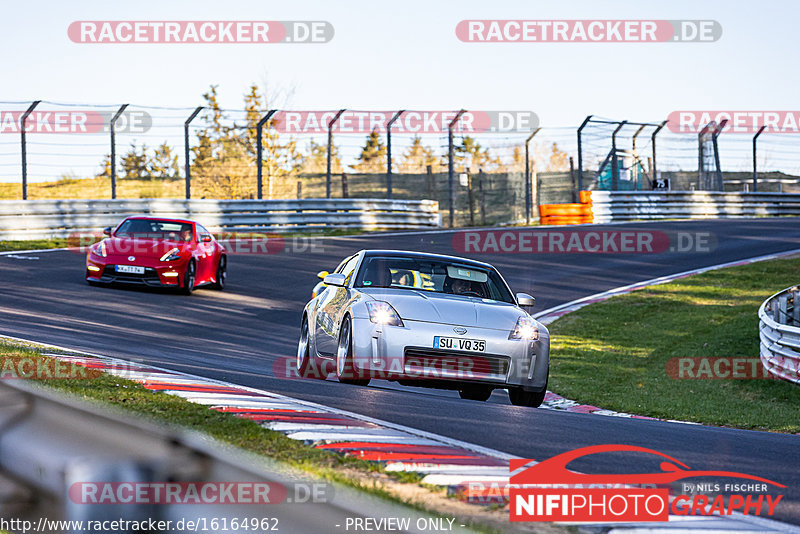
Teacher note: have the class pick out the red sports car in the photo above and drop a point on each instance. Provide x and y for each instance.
(158, 252)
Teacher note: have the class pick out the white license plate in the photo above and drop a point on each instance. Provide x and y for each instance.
(457, 343)
(132, 269)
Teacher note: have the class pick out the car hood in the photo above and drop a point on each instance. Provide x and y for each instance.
(448, 309)
(142, 248)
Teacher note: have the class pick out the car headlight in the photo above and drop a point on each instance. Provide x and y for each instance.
(525, 329)
(172, 255)
(383, 313)
(100, 249)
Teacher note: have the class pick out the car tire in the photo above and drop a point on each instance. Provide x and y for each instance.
(531, 399)
(307, 366)
(222, 273)
(189, 278)
(345, 370)
(477, 393)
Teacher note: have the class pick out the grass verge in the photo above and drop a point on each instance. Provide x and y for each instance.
(614, 353)
(32, 244)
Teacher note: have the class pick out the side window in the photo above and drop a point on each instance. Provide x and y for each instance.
(348, 268)
(345, 261)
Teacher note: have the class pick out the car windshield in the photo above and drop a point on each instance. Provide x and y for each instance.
(155, 229)
(436, 276)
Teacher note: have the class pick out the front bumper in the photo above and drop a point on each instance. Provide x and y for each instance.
(167, 276)
(407, 353)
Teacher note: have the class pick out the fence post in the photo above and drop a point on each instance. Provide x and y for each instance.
(528, 178)
(755, 164)
(471, 200)
(259, 151)
(431, 186)
(635, 155)
(580, 151)
(481, 197)
(450, 164)
(330, 147)
(614, 158)
(299, 189)
(714, 135)
(114, 152)
(537, 184)
(572, 180)
(653, 147)
(187, 163)
(389, 153)
(24, 149)
(344, 186)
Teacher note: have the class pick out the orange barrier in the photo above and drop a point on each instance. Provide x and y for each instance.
(568, 213)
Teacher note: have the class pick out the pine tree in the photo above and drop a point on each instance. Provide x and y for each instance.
(163, 163)
(417, 158)
(315, 159)
(559, 161)
(373, 155)
(134, 163)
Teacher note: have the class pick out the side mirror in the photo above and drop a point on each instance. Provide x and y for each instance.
(322, 274)
(107, 230)
(206, 238)
(335, 279)
(525, 300)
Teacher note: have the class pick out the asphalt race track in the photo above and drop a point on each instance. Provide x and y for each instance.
(237, 335)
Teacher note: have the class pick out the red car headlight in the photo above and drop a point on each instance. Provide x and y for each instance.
(172, 255)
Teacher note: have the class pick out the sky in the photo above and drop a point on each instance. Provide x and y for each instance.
(406, 55)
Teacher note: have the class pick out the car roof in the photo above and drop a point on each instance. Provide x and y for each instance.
(166, 219)
(425, 256)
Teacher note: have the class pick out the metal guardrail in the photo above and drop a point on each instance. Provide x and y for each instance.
(43, 219)
(49, 444)
(779, 330)
(613, 206)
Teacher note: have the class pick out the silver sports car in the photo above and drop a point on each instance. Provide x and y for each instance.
(425, 320)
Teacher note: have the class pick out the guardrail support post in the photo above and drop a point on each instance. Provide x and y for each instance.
(580, 152)
(450, 166)
(187, 162)
(614, 159)
(528, 199)
(755, 164)
(389, 153)
(653, 147)
(24, 149)
(330, 148)
(114, 151)
(260, 150)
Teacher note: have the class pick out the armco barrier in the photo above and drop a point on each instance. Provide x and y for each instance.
(779, 329)
(42, 219)
(613, 206)
(52, 447)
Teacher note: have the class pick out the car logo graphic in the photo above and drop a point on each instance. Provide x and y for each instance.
(460, 330)
(131, 258)
(554, 470)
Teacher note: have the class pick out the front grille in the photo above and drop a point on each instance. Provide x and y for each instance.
(149, 277)
(466, 363)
